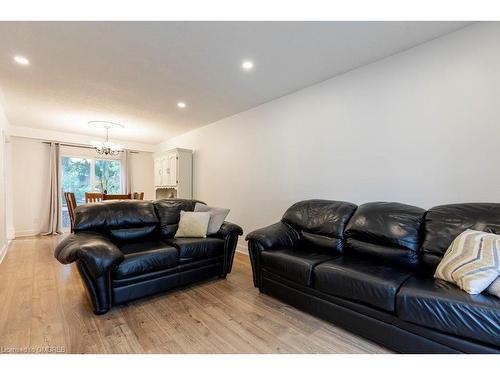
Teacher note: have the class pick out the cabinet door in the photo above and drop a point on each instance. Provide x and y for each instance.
(172, 166)
(158, 171)
(165, 170)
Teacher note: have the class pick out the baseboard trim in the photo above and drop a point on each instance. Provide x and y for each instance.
(26, 233)
(242, 249)
(3, 251)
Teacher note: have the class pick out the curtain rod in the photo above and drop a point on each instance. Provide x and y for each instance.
(82, 146)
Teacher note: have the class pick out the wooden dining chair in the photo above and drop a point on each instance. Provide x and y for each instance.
(108, 197)
(93, 197)
(71, 204)
(139, 195)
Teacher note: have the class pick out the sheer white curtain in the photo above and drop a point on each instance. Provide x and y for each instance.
(53, 218)
(126, 180)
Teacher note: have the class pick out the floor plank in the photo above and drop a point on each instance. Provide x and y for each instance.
(44, 305)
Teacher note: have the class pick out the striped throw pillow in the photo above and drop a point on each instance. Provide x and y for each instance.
(472, 261)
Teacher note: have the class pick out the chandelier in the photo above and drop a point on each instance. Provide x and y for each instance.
(106, 147)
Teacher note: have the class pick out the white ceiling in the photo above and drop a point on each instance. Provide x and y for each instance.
(134, 73)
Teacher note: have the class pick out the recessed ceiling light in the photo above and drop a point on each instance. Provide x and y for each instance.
(21, 60)
(247, 65)
(181, 105)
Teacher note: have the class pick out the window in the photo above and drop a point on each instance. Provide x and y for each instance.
(76, 177)
(87, 174)
(108, 176)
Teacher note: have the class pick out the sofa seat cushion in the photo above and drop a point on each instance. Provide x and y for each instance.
(197, 248)
(440, 305)
(146, 257)
(293, 264)
(362, 280)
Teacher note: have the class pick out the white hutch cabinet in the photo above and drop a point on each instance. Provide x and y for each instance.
(174, 174)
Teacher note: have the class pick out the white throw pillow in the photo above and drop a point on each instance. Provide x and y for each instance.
(472, 261)
(193, 224)
(217, 216)
(494, 288)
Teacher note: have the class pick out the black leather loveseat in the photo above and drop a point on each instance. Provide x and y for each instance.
(369, 269)
(126, 250)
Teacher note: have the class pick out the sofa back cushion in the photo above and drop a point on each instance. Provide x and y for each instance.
(169, 214)
(321, 223)
(444, 223)
(386, 230)
(122, 221)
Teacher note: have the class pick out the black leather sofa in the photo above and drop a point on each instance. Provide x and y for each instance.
(126, 250)
(369, 269)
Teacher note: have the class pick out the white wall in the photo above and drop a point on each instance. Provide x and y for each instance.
(3, 184)
(420, 127)
(66, 137)
(142, 174)
(30, 163)
(9, 204)
(30, 173)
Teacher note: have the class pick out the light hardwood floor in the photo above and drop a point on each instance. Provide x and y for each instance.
(43, 305)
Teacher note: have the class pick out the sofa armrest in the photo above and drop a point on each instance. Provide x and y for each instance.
(96, 251)
(229, 232)
(228, 228)
(277, 235)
